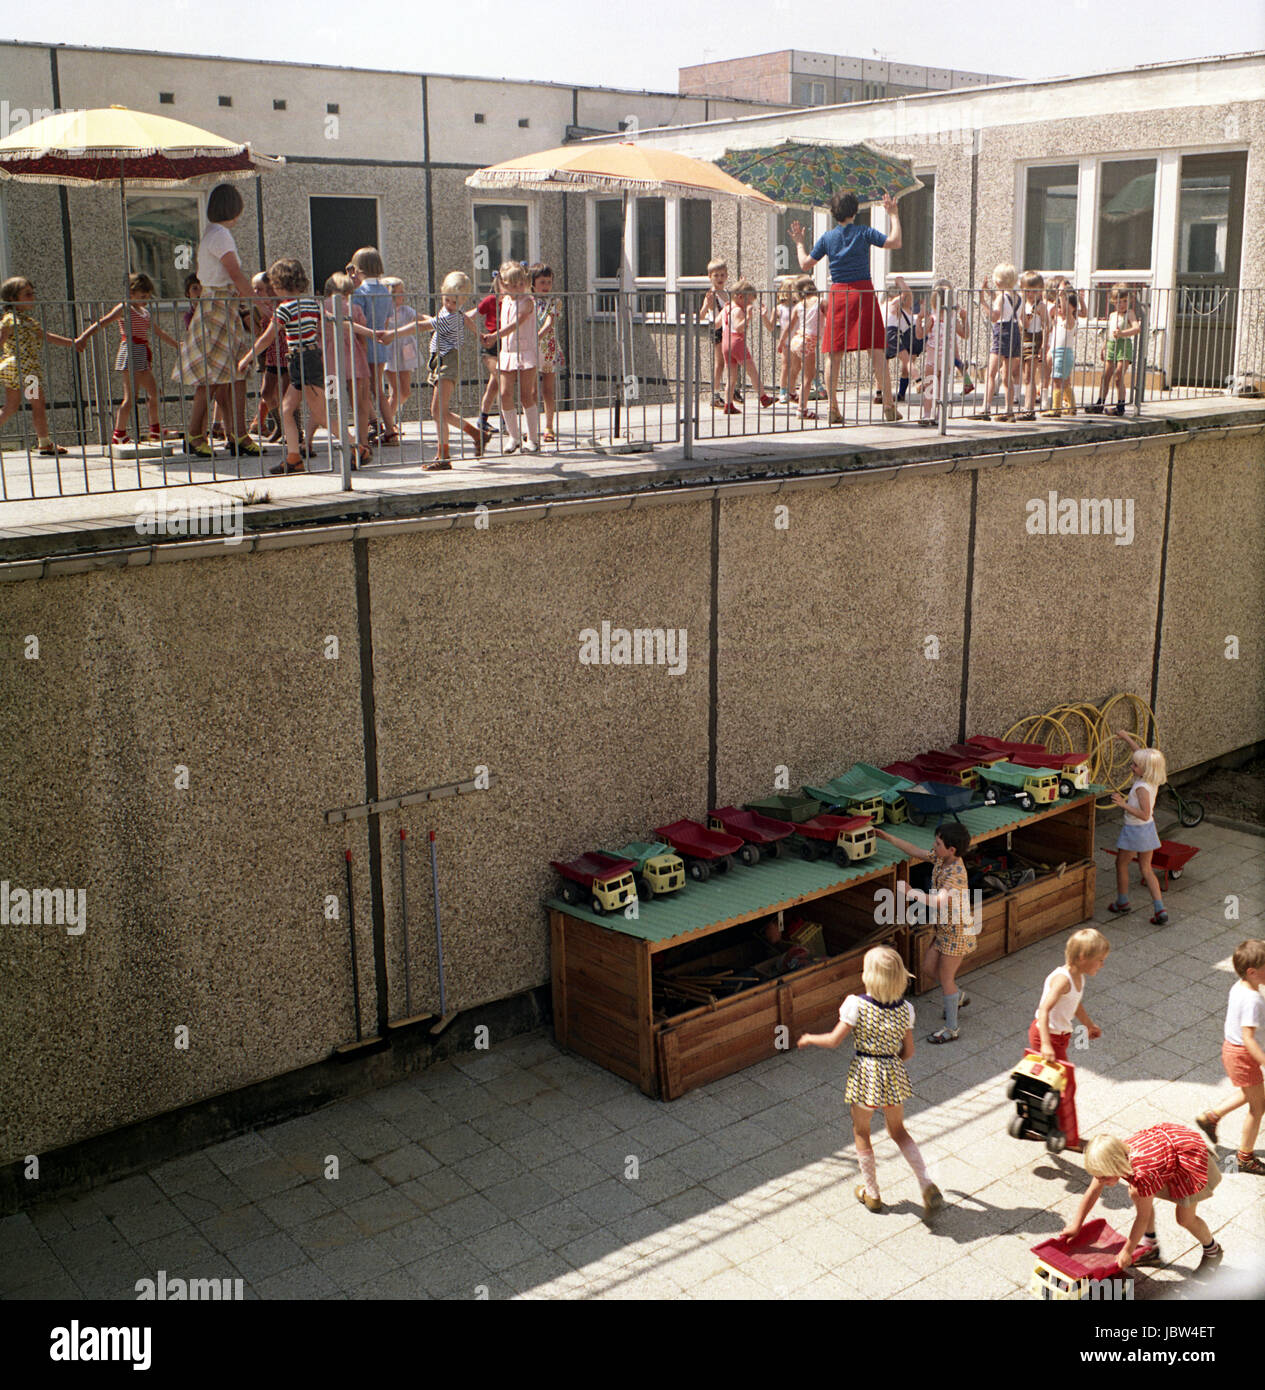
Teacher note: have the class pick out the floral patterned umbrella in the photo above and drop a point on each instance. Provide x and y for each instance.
(808, 173)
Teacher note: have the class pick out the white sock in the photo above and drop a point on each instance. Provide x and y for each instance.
(533, 423)
(910, 1150)
(869, 1171)
(509, 426)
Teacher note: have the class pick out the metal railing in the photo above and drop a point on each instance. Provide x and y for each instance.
(629, 371)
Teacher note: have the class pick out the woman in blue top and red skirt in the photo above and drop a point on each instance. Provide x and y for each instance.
(853, 320)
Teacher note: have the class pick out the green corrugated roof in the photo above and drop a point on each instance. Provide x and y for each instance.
(775, 883)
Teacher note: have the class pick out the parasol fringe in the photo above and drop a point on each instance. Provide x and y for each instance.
(564, 179)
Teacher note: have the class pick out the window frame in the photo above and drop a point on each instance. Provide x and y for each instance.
(199, 199)
(533, 230)
(666, 284)
(378, 198)
(882, 257)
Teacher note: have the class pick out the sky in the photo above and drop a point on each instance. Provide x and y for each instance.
(641, 45)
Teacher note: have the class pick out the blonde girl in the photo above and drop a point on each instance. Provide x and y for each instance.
(1063, 315)
(548, 313)
(1139, 838)
(734, 318)
(133, 358)
(519, 358)
(1117, 353)
(882, 1023)
(1004, 355)
(402, 361)
(931, 329)
(1034, 326)
(785, 302)
(805, 329)
(21, 367)
(715, 302)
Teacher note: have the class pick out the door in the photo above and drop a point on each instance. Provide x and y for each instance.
(1209, 247)
(340, 227)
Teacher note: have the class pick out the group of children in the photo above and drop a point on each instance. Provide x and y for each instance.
(1166, 1160)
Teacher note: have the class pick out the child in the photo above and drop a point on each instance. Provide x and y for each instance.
(354, 359)
(487, 306)
(805, 328)
(21, 368)
(1122, 328)
(375, 302)
(551, 358)
(1034, 322)
(1050, 1032)
(785, 301)
(1168, 1161)
(734, 318)
(950, 899)
(271, 385)
(300, 316)
(899, 317)
(519, 358)
(1138, 836)
(1242, 1055)
(1062, 349)
(193, 292)
(1004, 354)
(402, 360)
(715, 301)
(929, 325)
(133, 358)
(882, 1021)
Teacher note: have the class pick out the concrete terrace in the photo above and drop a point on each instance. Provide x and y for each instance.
(506, 1171)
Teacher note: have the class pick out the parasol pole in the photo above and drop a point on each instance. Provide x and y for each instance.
(127, 321)
(621, 300)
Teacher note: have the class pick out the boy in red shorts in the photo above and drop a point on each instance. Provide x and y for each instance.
(1242, 1056)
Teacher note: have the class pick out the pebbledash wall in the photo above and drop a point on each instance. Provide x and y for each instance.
(174, 746)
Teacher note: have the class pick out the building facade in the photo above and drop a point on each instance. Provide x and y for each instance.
(795, 77)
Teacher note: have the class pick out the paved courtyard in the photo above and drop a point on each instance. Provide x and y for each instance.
(508, 1173)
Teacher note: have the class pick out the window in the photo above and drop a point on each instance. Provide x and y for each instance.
(917, 212)
(339, 227)
(1126, 214)
(331, 108)
(651, 240)
(523, 122)
(278, 104)
(478, 118)
(1210, 218)
(816, 94)
(1050, 218)
(166, 98)
(608, 220)
(694, 237)
(845, 93)
(500, 234)
(163, 234)
(785, 252)
(226, 101)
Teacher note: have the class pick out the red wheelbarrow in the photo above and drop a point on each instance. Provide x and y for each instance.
(1170, 859)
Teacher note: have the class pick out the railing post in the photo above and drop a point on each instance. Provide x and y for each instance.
(947, 317)
(686, 403)
(1139, 365)
(340, 390)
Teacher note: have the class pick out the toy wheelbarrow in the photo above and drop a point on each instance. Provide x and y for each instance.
(1170, 859)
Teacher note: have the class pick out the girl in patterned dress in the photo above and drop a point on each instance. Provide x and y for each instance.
(21, 365)
(551, 359)
(881, 1021)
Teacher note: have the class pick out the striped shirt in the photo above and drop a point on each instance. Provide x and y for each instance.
(140, 324)
(1170, 1156)
(447, 335)
(302, 320)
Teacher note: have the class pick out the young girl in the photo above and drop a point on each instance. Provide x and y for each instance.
(1003, 357)
(787, 380)
(300, 316)
(1034, 323)
(932, 329)
(898, 308)
(133, 358)
(487, 306)
(21, 368)
(551, 358)
(1117, 355)
(882, 1021)
(1063, 314)
(1050, 1032)
(1242, 1055)
(950, 901)
(734, 318)
(355, 360)
(1168, 1161)
(271, 385)
(1138, 836)
(401, 362)
(715, 301)
(805, 328)
(374, 299)
(519, 358)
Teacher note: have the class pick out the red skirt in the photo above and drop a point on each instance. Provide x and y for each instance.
(853, 320)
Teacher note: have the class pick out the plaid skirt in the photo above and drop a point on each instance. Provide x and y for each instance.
(214, 341)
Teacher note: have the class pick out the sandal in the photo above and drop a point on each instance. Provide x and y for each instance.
(943, 1035)
(870, 1203)
(391, 438)
(51, 450)
(807, 414)
(1208, 1123)
(835, 417)
(435, 465)
(1119, 908)
(298, 466)
(1160, 919)
(1249, 1163)
(932, 1199)
(549, 437)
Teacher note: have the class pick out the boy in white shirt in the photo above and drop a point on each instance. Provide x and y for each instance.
(1242, 1056)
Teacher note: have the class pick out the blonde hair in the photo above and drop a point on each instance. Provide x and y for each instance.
(884, 975)
(1248, 955)
(456, 284)
(1107, 1157)
(392, 282)
(368, 261)
(716, 265)
(1153, 769)
(1087, 944)
(513, 276)
(786, 289)
(1032, 280)
(1005, 276)
(744, 286)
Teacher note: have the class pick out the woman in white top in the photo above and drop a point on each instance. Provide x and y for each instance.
(1138, 838)
(216, 338)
